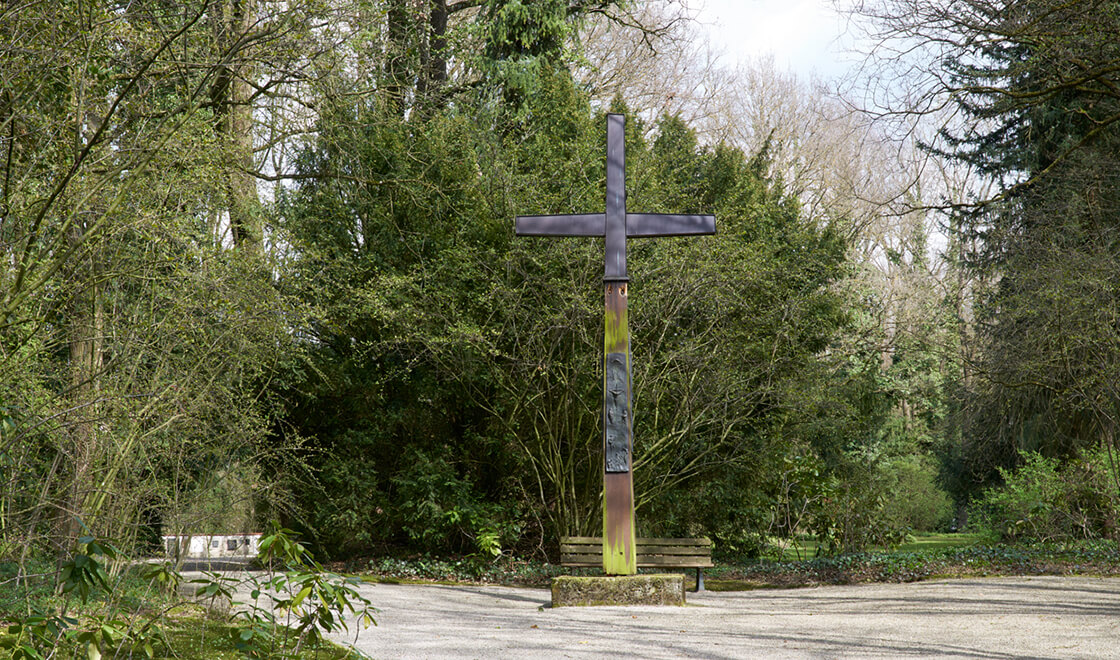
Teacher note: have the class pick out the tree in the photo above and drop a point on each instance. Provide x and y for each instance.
(129, 332)
(1033, 91)
(447, 348)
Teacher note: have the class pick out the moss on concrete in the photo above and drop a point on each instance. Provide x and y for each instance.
(654, 589)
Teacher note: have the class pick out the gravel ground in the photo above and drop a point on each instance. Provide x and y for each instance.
(1036, 617)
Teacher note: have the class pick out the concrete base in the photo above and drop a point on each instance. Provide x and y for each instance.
(657, 589)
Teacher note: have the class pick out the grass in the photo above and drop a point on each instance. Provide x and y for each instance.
(194, 634)
(933, 541)
(201, 636)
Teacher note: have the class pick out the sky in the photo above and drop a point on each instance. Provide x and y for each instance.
(804, 36)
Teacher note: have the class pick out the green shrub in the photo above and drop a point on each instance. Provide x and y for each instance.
(854, 515)
(1045, 500)
(441, 511)
(1028, 505)
(729, 508)
(1094, 495)
(914, 498)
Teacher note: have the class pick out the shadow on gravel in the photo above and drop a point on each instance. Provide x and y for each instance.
(511, 595)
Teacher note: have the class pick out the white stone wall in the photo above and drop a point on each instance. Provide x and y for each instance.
(213, 546)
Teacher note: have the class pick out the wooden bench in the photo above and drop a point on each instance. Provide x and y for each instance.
(587, 551)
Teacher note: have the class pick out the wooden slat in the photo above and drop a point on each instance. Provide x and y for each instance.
(682, 562)
(584, 556)
(652, 552)
(581, 549)
(676, 562)
(647, 550)
(700, 542)
(674, 550)
(597, 540)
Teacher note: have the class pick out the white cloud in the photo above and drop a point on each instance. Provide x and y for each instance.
(805, 36)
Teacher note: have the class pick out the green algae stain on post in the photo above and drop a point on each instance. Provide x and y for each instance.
(619, 531)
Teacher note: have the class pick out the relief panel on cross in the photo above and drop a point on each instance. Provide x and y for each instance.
(616, 414)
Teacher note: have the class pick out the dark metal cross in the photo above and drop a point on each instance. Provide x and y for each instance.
(619, 543)
(616, 224)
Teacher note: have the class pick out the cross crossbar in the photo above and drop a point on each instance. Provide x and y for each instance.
(578, 224)
(638, 225)
(615, 224)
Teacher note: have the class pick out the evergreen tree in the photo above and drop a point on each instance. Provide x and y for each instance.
(1036, 88)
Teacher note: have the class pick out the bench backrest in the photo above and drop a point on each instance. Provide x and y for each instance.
(684, 553)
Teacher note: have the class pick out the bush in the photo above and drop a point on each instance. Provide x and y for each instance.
(1095, 494)
(1044, 500)
(915, 500)
(441, 511)
(728, 507)
(854, 515)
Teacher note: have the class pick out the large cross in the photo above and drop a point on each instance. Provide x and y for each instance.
(619, 553)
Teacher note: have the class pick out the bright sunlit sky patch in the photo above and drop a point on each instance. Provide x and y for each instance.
(804, 36)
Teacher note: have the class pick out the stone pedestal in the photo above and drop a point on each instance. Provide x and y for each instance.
(657, 589)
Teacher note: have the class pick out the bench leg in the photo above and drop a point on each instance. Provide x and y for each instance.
(699, 580)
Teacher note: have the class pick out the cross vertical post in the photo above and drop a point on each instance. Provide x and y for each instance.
(619, 537)
(615, 225)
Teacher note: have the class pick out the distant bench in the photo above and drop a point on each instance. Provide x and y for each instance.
(587, 551)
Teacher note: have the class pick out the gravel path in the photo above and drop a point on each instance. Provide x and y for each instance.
(1039, 617)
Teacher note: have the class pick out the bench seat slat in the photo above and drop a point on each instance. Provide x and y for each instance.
(581, 547)
(642, 543)
(582, 553)
(646, 550)
(598, 540)
(683, 562)
(644, 562)
(674, 550)
(706, 543)
(595, 558)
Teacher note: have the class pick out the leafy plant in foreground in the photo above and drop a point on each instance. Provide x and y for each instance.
(296, 599)
(42, 633)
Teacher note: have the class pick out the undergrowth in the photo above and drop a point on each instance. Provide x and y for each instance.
(1088, 557)
(81, 608)
(1080, 558)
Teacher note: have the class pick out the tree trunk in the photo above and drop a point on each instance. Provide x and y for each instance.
(396, 56)
(86, 358)
(433, 65)
(231, 98)
(84, 344)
